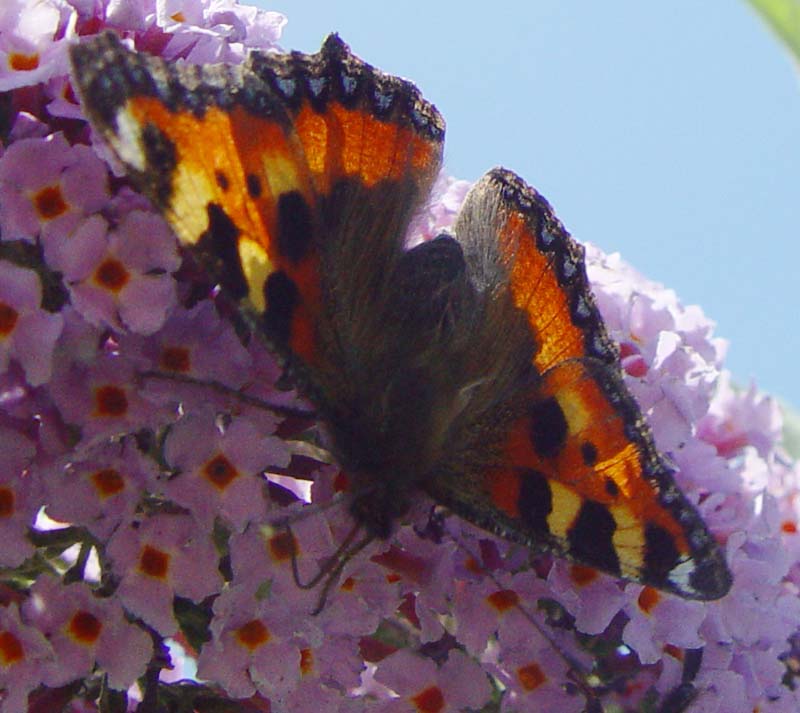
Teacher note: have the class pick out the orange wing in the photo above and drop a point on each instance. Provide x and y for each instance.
(243, 160)
(576, 470)
(532, 253)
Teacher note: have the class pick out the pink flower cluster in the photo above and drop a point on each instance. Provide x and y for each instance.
(135, 540)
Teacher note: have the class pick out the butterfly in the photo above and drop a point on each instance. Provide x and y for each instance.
(473, 367)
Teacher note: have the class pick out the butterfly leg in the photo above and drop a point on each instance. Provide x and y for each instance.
(225, 390)
(332, 561)
(330, 571)
(333, 575)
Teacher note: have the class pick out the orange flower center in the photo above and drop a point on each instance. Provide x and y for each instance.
(430, 700)
(107, 482)
(306, 661)
(282, 546)
(110, 401)
(253, 634)
(154, 563)
(85, 627)
(112, 275)
(11, 649)
(648, 598)
(23, 62)
(8, 319)
(220, 472)
(531, 676)
(49, 202)
(503, 600)
(175, 359)
(7, 500)
(582, 575)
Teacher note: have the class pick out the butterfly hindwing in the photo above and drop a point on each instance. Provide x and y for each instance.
(576, 472)
(260, 166)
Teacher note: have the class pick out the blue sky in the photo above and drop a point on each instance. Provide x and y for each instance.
(667, 131)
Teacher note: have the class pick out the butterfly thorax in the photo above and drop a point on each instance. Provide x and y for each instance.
(390, 445)
(425, 387)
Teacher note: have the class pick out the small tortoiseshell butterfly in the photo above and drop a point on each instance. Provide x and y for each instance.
(474, 367)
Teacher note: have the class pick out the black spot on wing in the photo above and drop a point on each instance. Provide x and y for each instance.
(548, 432)
(535, 500)
(611, 488)
(161, 158)
(589, 453)
(590, 537)
(660, 554)
(253, 185)
(222, 180)
(282, 297)
(220, 246)
(294, 226)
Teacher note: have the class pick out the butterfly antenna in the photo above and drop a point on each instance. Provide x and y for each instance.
(229, 391)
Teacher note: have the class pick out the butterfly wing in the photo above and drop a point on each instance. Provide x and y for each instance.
(261, 167)
(576, 471)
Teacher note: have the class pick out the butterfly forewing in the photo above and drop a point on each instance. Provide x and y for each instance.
(576, 471)
(352, 120)
(261, 166)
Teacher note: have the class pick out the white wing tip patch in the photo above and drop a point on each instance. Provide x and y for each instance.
(128, 141)
(681, 576)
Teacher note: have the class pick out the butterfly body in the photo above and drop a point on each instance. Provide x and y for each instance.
(474, 367)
